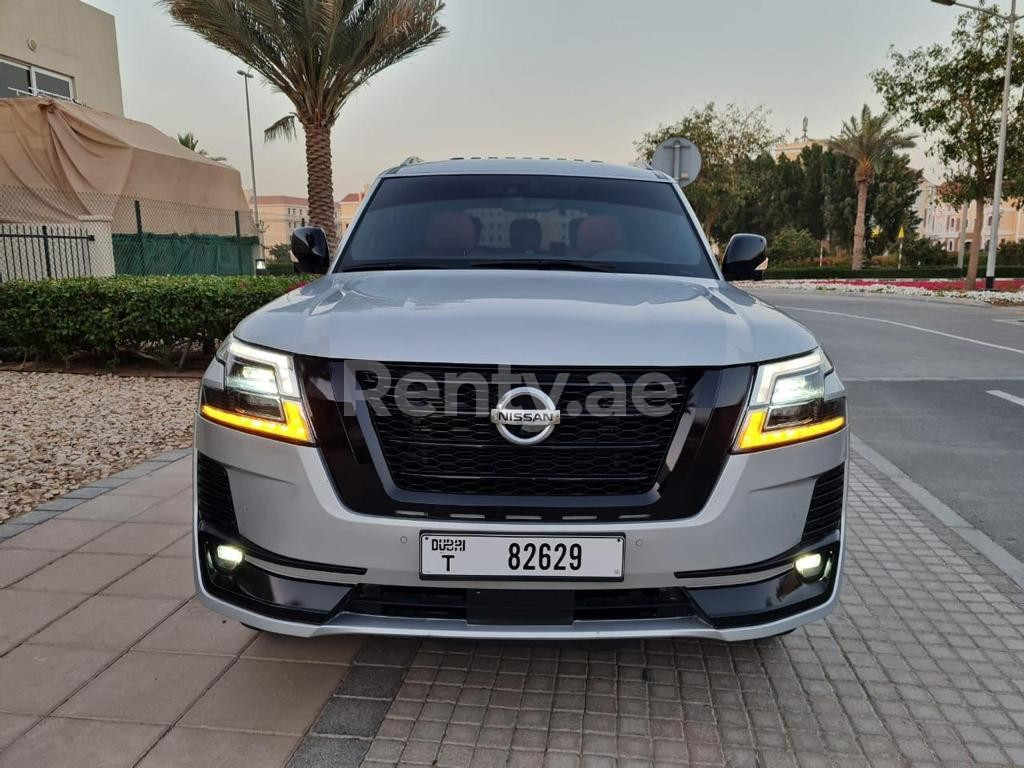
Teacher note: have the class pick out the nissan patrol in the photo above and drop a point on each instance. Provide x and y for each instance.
(523, 401)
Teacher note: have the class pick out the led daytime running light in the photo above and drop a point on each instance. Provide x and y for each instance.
(293, 427)
(753, 437)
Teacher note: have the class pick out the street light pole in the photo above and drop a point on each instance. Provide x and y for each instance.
(252, 159)
(997, 193)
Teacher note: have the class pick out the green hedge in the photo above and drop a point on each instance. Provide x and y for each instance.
(826, 273)
(106, 317)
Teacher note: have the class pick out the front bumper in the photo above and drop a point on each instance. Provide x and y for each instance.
(308, 554)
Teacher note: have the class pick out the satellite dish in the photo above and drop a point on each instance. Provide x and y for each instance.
(679, 158)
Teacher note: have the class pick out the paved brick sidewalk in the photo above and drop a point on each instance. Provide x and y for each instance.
(106, 659)
(923, 665)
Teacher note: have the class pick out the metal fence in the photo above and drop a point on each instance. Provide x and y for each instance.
(44, 251)
(49, 233)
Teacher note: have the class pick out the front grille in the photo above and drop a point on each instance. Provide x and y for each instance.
(586, 605)
(213, 492)
(826, 509)
(457, 450)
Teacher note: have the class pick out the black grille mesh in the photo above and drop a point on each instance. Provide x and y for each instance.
(826, 509)
(214, 495)
(462, 452)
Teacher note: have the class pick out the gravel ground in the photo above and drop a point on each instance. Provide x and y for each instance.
(60, 430)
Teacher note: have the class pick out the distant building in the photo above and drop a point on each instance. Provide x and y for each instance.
(791, 149)
(281, 214)
(62, 48)
(944, 223)
(347, 208)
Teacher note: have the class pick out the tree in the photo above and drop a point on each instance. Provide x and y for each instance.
(953, 93)
(867, 141)
(728, 139)
(892, 202)
(793, 246)
(189, 141)
(280, 252)
(317, 53)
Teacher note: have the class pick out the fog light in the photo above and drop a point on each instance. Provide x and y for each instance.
(228, 557)
(809, 566)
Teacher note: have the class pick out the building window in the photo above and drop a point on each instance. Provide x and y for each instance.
(25, 80)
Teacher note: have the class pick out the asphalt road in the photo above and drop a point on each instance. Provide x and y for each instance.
(922, 398)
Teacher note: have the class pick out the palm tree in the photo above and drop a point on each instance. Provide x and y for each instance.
(189, 141)
(317, 53)
(867, 141)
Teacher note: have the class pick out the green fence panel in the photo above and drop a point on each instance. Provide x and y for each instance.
(153, 254)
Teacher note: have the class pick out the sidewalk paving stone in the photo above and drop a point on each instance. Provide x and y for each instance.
(133, 538)
(191, 747)
(194, 629)
(113, 621)
(922, 664)
(23, 613)
(157, 577)
(12, 726)
(16, 564)
(266, 696)
(146, 687)
(36, 678)
(59, 534)
(80, 572)
(80, 743)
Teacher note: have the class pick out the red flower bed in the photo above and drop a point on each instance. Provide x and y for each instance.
(1002, 284)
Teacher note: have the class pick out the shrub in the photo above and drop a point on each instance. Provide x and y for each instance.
(1009, 254)
(793, 246)
(106, 317)
(920, 251)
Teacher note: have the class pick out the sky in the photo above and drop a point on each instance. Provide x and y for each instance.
(575, 78)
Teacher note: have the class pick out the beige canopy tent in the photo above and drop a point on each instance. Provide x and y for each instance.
(60, 161)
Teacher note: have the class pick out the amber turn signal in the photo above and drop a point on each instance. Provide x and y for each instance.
(753, 436)
(293, 428)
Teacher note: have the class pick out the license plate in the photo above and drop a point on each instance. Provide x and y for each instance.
(470, 555)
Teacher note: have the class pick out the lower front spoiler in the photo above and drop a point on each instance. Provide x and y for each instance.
(279, 603)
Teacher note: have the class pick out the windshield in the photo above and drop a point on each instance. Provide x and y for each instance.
(527, 222)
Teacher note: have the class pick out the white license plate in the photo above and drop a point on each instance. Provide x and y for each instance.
(470, 555)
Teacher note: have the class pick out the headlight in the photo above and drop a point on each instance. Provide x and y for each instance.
(261, 394)
(788, 404)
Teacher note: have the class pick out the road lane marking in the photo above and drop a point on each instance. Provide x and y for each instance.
(912, 327)
(1007, 396)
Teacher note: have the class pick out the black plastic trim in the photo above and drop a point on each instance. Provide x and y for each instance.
(692, 465)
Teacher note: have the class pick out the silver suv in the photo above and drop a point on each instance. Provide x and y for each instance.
(524, 401)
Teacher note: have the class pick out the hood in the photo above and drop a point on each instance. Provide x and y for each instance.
(530, 318)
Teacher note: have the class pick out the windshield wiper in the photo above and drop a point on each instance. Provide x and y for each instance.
(372, 266)
(568, 264)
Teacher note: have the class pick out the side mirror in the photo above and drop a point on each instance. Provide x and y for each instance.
(745, 258)
(309, 246)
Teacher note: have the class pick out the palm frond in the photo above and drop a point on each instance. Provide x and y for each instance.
(281, 129)
(869, 139)
(315, 52)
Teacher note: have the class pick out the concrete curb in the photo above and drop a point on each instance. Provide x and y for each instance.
(54, 507)
(980, 541)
